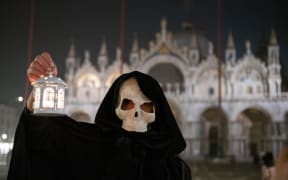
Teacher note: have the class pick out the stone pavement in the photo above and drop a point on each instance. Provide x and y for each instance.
(3, 172)
(225, 171)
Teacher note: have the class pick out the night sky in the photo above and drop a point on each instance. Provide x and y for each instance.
(88, 22)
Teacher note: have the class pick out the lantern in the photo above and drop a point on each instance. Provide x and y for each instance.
(49, 96)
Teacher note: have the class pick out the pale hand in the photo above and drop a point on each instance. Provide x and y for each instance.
(42, 65)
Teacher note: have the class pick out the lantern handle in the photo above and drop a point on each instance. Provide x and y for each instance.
(50, 70)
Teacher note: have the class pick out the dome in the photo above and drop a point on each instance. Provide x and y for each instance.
(184, 38)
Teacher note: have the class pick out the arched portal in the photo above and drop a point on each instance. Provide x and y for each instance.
(213, 132)
(256, 129)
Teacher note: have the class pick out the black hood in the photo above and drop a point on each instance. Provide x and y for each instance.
(163, 136)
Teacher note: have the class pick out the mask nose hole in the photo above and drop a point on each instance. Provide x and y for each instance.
(136, 114)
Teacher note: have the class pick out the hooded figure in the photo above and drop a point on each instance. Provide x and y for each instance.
(61, 148)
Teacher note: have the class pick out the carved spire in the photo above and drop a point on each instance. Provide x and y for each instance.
(70, 65)
(211, 56)
(118, 53)
(103, 49)
(273, 38)
(273, 50)
(230, 41)
(71, 52)
(248, 47)
(134, 55)
(230, 52)
(194, 44)
(163, 24)
(135, 46)
(211, 49)
(102, 57)
(163, 28)
(87, 57)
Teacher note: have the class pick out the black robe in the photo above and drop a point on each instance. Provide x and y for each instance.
(61, 148)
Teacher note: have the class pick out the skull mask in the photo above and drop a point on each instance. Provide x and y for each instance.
(134, 109)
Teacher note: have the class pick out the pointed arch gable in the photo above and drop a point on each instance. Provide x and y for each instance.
(249, 63)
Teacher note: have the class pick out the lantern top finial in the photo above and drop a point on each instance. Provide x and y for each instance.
(50, 79)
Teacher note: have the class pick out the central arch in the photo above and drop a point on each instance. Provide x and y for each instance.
(165, 74)
(170, 71)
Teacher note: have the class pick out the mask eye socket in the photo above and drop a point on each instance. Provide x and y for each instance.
(147, 107)
(127, 104)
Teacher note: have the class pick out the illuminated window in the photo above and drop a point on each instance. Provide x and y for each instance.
(37, 98)
(60, 100)
(48, 97)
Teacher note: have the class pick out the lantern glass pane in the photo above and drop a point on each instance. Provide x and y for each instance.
(37, 98)
(48, 97)
(60, 102)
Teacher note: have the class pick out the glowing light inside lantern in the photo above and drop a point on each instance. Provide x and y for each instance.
(49, 96)
(37, 98)
(60, 102)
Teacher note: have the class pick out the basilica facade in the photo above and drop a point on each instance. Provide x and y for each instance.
(237, 110)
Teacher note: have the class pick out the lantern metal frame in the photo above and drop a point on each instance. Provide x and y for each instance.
(49, 96)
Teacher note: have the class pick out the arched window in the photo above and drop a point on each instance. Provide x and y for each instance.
(48, 97)
(87, 93)
(60, 100)
(211, 91)
(249, 90)
(37, 98)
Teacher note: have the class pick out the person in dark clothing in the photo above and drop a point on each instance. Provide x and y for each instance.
(135, 136)
(268, 169)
